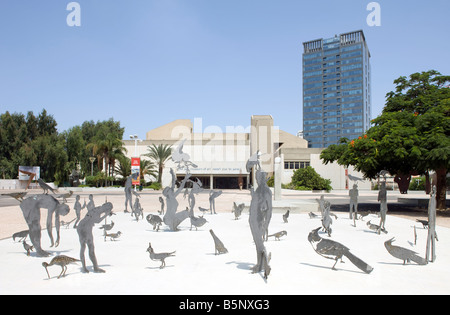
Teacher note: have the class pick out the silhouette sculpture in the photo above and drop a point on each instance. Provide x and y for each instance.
(77, 206)
(62, 261)
(259, 219)
(172, 218)
(404, 254)
(353, 193)
(218, 245)
(159, 256)
(154, 220)
(128, 194)
(237, 209)
(31, 209)
(431, 246)
(86, 237)
(333, 250)
(45, 186)
(382, 198)
(212, 200)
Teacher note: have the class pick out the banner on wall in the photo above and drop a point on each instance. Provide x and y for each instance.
(135, 171)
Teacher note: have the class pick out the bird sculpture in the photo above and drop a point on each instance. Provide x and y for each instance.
(376, 228)
(196, 221)
(219, 247)
(355, 178)
(424, 223)
(107, 227)
(286, 216)
(333, 250)
(278, 235)
(22, 235)
(27, 247)
(18, 195)
(65, 196)
(312, 215)
(159, 256)
(237, 209)
(112, 236)
(404, 254)
(253, 161)
(62, 261)
(203, 210)
(180, 158)
(45, 186)
(155, 221)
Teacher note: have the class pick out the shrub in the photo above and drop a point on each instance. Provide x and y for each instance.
(308, 179)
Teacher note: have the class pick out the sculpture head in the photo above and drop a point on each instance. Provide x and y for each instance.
(313, 236)
(62, 209)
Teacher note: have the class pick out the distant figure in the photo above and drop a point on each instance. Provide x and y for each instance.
(382, 198)
(77, 206)
(91, 204)
(212, 200)
(161, 200)
(353, 193)
(128, 195)
(431, 246)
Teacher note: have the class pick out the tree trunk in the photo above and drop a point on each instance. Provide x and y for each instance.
(441, 177)
(402, 181)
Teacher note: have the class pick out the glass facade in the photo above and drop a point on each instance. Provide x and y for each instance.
(336, 89)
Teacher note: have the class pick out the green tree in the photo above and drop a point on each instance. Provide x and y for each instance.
(308, 179)
(411, 136)
(160, 154)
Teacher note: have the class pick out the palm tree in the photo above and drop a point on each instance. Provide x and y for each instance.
(160, 154)
(147, 167)
(124, 167)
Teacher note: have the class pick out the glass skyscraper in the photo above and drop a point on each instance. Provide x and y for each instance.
(336, 89)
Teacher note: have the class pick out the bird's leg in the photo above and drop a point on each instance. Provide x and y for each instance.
(336, 260)
(62, 272)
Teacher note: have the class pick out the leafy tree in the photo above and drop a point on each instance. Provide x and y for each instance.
(411, 136)
(308, 179)
(160, 154)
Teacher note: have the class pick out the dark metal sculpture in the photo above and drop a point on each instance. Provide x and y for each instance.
(17, 195)
(137, 210)
(22, 235)
(432, 236)
(218, 245)
(376, 228)
(27, 247)
(172, 218)
(77, 207)
(128, 194)
(286, 216)
(326, 219)
(161, 200)
(196, 221)
(278, 235)
(86, 237)
(46, 187)
(404, 254)
(237, 210)
(159, 256)
(333, 250)
(353, 193)
(382, 198)
(62, 261)
(212, 200)
(259, 219)
(31, 209)
(112, 236)
(155, 221)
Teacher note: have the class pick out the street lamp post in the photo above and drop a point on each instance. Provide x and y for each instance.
(92, 159)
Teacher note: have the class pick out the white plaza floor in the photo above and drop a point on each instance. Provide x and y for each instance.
(195, 269)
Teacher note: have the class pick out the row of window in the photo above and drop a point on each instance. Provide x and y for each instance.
(293, 165)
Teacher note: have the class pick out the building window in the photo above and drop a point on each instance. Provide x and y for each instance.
(295, 165)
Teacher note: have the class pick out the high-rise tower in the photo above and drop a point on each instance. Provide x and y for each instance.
(336, 89)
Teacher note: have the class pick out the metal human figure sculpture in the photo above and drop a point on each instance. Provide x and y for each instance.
(259, 219)
(321, 203)
(382, 198)
(91, 203)
(212, 200)
(31, 209)
(326, 219)
(333, 250)
(431, 246)
(353, 193)
(137, 210)
(172, 218)
(128, 194)
(86, 237)
(77, 206)
(161, 200)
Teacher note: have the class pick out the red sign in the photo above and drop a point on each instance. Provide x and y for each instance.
(136, 170)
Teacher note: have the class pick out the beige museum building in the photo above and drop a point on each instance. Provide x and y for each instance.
(221, 157)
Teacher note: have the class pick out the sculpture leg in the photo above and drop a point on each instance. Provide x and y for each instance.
(91, 249)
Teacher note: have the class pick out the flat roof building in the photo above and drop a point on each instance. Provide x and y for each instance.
(336, 88)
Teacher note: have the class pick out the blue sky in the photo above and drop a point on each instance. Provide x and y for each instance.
(148, 62)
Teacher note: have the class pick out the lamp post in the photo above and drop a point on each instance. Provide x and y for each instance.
(92, 159)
